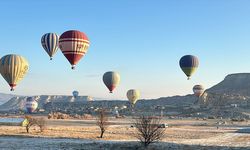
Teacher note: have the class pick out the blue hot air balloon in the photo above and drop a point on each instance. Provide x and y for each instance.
(189, 64)
(75, 94)
(31, 105)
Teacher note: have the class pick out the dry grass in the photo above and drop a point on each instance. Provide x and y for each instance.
(113, 133)
(182, 133)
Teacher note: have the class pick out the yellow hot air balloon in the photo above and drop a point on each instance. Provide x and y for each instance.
(133, 95)
(13, 68)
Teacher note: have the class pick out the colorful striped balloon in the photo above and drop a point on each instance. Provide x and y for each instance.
(31, 105)
(189, 64)
(13, 68)
(198, 90)
(74, 45)
(50, 43)
(111, 79)
(133, 95)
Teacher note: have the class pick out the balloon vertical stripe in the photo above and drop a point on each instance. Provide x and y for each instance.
(13, 68)
(50, 43)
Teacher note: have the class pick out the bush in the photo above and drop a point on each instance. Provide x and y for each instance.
(148, 129)
(40, 122)
(102, 121)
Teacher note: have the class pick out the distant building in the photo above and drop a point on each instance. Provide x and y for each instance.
(83, 98)
(234, 105)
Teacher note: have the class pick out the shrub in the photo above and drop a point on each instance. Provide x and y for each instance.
(148, 130)
(40, 122)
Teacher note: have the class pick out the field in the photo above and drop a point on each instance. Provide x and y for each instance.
(83, 134)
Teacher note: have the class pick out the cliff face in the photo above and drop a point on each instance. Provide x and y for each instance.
(233, 84)
(5, 97)
(16, 103)
(234, 89)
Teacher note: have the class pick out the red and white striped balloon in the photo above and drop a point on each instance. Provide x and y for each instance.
(74, 45)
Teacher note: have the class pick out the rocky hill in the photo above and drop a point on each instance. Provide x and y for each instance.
(234, 89)
(18, 102)
(230, 97)
(233, 84)
(5, 97)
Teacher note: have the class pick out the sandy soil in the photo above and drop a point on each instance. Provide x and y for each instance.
(181, 134)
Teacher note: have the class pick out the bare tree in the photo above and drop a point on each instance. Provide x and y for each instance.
(40, 122)
(102, 121)
(148, 129)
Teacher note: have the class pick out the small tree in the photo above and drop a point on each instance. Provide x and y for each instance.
(40, 122)
(148, 129)
(102, 121)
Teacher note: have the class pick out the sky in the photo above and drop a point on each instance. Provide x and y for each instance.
(143, 40)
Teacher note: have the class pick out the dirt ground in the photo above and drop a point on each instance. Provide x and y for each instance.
(180, 132)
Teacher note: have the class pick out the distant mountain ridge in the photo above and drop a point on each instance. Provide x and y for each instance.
(5, 97)
(18, 102)
(234, 89)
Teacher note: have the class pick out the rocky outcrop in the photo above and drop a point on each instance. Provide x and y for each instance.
(230, 97)
(18, 103)
(233, 84)
(234, 89)
(5, 97)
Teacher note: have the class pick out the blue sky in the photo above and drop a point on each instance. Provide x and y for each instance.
(143, 40)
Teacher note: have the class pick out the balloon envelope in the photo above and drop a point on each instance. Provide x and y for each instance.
(133, 95)
(189, 64)
(111, 79)
(31, 105)
(74, 45)
(75, 94)
(13, 69)
(198, 90)
(50, 43)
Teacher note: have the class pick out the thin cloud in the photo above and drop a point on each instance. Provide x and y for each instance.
(92, 75)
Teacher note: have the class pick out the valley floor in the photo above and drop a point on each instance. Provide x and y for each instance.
(75, 134)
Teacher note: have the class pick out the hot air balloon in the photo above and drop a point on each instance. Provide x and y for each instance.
(50, 43)
(189, 64)
(13, 68)
(198, 90)
(111, 80)
(133, 95)
(75, 94)
(74, 45)
(31, 105)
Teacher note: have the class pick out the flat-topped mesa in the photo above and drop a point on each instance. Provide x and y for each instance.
(233, 84)
(17, 103)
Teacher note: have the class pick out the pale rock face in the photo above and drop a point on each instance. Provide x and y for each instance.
(17, 103)
(235, 88)
(236, 84)
(5, 97)
(203, 99)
